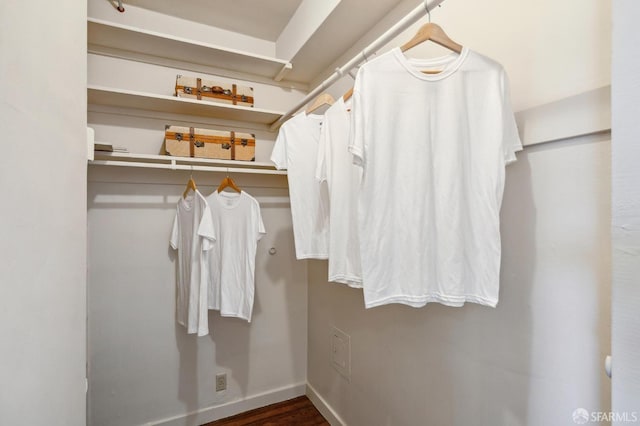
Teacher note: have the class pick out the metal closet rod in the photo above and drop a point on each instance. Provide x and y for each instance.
(413, 17)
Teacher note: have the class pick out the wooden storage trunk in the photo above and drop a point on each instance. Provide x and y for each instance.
(211, 90)
(209, 143)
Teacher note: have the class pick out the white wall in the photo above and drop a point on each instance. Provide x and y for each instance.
(143, 368)
(43, 216)
(533, 359)
(551, 50)
(626, 208)
(538, 356)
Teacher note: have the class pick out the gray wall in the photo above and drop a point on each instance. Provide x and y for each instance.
(539, 355)
(532, 360)
(626, 209)
(143, 366)
(43, 183)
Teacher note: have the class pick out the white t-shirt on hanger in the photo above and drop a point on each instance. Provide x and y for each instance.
(237, 226)
(433, 148)
(296, 149)
(335, 166)
(192, 226)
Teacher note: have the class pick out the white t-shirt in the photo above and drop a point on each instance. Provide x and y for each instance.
(335, 166)
(191, 227)
(237, 226)
(296, 149)
(433, 148)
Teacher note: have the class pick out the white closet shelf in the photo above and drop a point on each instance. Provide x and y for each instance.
(150, 161)
(98, 95)
(124, 38)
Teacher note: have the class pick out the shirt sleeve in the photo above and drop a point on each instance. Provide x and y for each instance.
(205, 229)
(261, 230)
(356, 133)
(175, 231)
(279, 152)
(510, 138)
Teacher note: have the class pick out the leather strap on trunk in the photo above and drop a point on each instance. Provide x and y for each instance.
(233, 139)
(192, 138)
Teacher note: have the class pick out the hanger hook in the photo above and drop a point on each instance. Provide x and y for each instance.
(426, 7)
(227, 172)
(191, 172)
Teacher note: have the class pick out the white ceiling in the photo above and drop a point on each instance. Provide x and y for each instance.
(266, 19)
(348, 23)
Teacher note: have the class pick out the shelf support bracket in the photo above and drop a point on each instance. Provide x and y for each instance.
(284, 71)
(91, 143)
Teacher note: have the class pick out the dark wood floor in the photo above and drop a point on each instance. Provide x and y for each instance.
(294, 412)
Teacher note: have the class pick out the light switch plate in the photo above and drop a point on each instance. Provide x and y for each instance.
(341, 352)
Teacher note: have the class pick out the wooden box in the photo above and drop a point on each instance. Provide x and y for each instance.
(209, 143)
(211, 90)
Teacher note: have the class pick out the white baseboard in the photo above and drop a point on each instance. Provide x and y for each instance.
(232, 408)
(324, 408)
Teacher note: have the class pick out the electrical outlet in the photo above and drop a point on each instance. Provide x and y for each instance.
(221, 382)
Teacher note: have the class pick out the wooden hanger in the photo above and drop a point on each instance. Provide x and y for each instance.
(191, 186)
(227, 182)
(323, 99)
(434, 33)
(347, 95)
